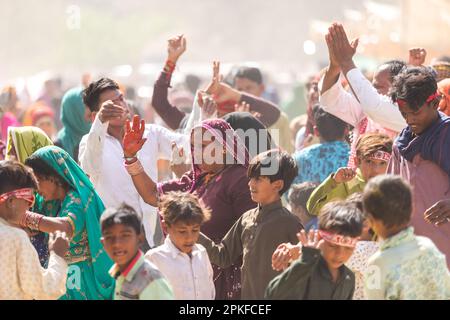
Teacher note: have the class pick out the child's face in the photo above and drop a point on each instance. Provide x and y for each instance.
(15, 208)
(335, 255)
(121, 243)
(263, 191)
(372, 167)
(48, 188)
(184, 236)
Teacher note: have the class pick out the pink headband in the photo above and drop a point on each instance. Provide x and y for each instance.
(380, 155)
(339, 240)
(26, 194)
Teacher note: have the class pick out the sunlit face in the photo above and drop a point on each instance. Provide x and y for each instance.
(313, 92)
(382, 80)
(121, 243)
(263, 191)
(444, 104)
(208, 155)
(118, 98)
(184, 236)
(372, 167)
(419, 120)
(47, 125)
(248, 86)
(20, 207)
(48, 188)
(335, 255)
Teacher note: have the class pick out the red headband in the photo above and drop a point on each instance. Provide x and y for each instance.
(25, 194)
(338, 239)
(401, 102)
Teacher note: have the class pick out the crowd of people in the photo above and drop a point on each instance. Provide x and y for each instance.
(348, 201)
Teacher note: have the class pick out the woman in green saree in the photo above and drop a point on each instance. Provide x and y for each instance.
(68, 202)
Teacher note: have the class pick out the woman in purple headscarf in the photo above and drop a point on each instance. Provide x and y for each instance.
(218, 177)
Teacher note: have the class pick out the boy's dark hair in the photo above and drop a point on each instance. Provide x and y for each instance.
(14, 175)
(330, 127)
(395, 67)
(285, 165)
(183, 207)
(369, 143)
(45, 171)
(91, 95)
(250, 73)
(300, 193)
(356, 199)
(124, 214)
(414, 85)
(341, 217)
(388, 198)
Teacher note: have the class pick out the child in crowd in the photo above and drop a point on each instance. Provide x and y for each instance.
(318, 161)
(406, 267)
(184, 262)
(298, 197)
(320, 273)
(366, 247)
(21, 274)
(259, 231)
(136, 278)
(373, 152)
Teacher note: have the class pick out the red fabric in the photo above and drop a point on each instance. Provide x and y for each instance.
(132, 264)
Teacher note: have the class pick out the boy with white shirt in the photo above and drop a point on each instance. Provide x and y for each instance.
(183, 261)
(101, 153)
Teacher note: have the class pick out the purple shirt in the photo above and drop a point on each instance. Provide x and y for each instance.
(430, 184)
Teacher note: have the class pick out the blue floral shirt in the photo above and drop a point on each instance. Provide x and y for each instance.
(317, 162)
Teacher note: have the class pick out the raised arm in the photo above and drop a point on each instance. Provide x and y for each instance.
(333, 98)
(132, 142)
(333, 70)
(171, 115)
(91, 146)
(223, 93)
(376, 106)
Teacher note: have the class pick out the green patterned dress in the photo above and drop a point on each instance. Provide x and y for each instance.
(87, 277)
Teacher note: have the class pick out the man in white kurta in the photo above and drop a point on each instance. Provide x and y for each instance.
(101, 157)
(21, 274)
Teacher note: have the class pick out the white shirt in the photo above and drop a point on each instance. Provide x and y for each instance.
(345, 106)
(377, 107)
(358, 263)
(21, 274)
(101, 157)
(191, 278)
